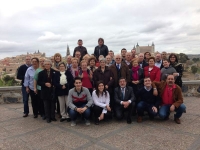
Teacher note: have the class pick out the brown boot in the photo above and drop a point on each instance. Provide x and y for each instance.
(139, 119)
(177, 120)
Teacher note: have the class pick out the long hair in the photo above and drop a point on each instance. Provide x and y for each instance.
(97, 89)
(176, 58)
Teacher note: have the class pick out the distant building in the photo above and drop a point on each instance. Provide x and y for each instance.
(68, 51)
(143, 49)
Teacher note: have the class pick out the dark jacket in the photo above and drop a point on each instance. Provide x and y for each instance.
(46, 92)
(144, 64)
(103, 51)
(129, 95)
(21, 73)
(107, 76)
(58, 87)
(141, 75)
(81, 49)
(124, 72)
(176, 93)
(179, 69)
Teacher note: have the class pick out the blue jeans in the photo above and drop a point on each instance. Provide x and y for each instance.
(73, 114)
(164, 111)
(25, 97)
(143, 106)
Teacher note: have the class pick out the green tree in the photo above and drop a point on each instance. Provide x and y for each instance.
(194, 69)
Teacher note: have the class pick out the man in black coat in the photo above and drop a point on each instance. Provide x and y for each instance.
(101, 49)
(124, 100)
(20, 75)
(45, 80)
(141, 61)
(80, 48)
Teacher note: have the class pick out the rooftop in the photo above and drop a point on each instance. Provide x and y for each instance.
(20, 133)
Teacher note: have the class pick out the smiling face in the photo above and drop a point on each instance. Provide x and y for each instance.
(147, 82)
(92, 63)
(74, 63)
(78, 84)
(170, 80)
(165, 63)
(84, 65)
(57, 58)
(151, 62)
(108, 59)
(118, 59)
(101, 87)
(34, 63)
(172, 58)
(62, 67)
(28, 60)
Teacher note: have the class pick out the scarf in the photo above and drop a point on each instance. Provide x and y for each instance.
(135, 75)
(63, 78)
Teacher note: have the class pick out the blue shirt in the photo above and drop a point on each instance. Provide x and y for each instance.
(29, 78)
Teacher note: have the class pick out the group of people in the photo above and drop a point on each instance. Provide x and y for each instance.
(103, 85)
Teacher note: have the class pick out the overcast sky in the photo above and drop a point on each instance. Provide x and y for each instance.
(26, 26)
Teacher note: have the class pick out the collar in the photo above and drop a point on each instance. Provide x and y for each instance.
(148, 89)
(78, 93)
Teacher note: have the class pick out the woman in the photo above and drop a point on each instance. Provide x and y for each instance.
(86, 57)
(92, 61)
(103, 73)
(101, 100)
(147, 55)
(74, 68)
(29, 84)
(45, 80)
(63, 82)
(57, 60)
(86, 76)
(178, 67)
(37, 89)
(98, 63)
(137, 76)
(152, 71)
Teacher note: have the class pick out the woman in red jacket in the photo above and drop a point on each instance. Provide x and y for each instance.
(152, 71)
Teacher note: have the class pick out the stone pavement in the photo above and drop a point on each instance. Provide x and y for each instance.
(20, 133)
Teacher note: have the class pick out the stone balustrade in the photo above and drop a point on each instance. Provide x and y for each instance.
(12, 94)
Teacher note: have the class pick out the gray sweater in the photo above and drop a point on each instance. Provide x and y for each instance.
(165, 72)
(76, 99)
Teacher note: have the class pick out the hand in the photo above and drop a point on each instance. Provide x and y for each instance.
(101, 116)
(83, 109)
(27, 90)
(63, 87)
(154, 109)
(35, 90)
(175, 74)
(126, 104)
(48, 84)
(155, 92)
(108, 108)
(110, 78)
(172, 108)
(79, 110)
(136, 82)
(106, 86)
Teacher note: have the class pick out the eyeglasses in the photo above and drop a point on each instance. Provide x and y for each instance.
(117, 58)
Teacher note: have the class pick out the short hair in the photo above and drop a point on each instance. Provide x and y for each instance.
(92, 58)
(77, 78)
(152, 58)
(83, 61)
(122, 78)
(62, 63)
(146, 53)
(101, 39)
(166, 60)
(48, 61)
(79, 40)
(111, 51)
(74, 59)
(102, 59)
(141, 54)
(169, 75)
(35, 59)
(123, 49)
(77, 51)
(134, 59)
(69, 56)
(118, 55)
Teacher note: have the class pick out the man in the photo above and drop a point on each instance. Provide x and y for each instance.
(172, 99)
(128, 59)
(79, 102)
(78, 56)
(141, 61)
(80, 48)
(108, 61)
(123, 53)
(119, 70)
(159, 61)
(101, 49)
(133, 52)
(111, 53)
(20, 75)
(124, 100)
(167, 70)
(148, 102)
(164, 55)
(69, 62)
(45, 80)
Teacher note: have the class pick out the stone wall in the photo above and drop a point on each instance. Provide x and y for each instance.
(12, 94)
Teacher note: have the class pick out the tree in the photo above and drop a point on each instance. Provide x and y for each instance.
(194, 69)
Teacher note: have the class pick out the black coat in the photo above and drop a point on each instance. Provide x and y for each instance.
(179, 69)
(140, 74)
(81, 49)
(144, 64)
(103, 51)
(58, 87)
(46, 92)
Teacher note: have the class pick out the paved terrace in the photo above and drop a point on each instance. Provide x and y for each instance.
(18, 133)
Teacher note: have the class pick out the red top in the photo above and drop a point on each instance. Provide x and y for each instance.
(97, 64)
(154, 74)
(86, 80)
(167, 98)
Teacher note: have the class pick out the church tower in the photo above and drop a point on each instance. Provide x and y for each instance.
(68, 51)
(137, 49)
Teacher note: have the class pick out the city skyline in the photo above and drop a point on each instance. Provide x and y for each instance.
(50, 25)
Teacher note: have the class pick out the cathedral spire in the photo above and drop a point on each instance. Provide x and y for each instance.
(68, 51)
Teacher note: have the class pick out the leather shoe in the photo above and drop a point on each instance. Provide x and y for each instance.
(35, 116)
(129, 120)
(139, 119)
(177, 120)
(54, 119)
(48, 120)
(62, 119)
(68, 119)
(25, 115)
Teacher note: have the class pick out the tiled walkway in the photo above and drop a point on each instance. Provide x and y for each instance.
(20, 133)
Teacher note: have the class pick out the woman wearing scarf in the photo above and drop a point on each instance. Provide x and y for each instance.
(63, 82)
(74, 68)
(178, 67)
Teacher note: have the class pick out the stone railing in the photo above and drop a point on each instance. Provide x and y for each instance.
(12, 94)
